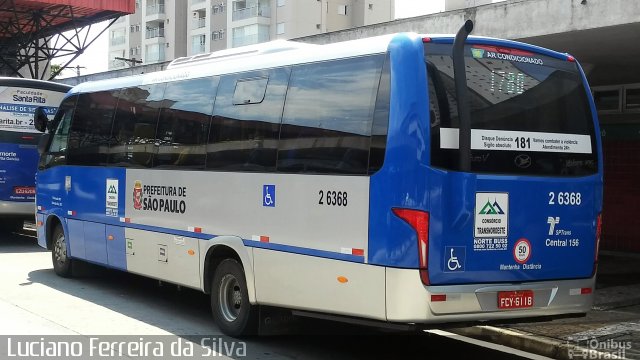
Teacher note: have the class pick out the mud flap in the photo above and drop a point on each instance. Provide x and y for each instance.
(277, 321)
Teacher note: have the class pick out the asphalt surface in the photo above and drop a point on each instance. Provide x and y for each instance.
(111, 306)
(610, 331)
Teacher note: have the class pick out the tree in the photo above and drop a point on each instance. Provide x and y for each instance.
(55, 70)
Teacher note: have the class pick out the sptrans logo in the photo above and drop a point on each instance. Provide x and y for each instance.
(137, 195)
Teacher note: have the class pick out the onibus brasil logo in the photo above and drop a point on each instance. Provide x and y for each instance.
(491, 209)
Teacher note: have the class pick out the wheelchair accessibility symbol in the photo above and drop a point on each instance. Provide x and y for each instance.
(455, 258)
(269, 195)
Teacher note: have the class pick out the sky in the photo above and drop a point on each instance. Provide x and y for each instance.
(96, 56)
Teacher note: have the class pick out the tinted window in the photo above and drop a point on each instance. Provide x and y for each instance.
(529, 113)
(245, 136)
(380, 120)
(326, 126)
(134, 126)
(91, 128)
(607, 100)
(56, 155)
(184, 123)
(632, 99)
(250, 91)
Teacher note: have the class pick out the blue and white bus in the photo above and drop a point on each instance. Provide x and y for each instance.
(328, 179)
(18, 143)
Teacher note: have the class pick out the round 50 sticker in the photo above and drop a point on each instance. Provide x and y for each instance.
(522, 251)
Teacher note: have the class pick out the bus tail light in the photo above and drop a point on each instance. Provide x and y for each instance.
(419, 221)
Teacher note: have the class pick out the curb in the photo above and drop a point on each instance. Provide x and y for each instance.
(616, 304)
(531, 343)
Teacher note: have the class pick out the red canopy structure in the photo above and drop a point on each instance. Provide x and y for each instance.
(33, 32)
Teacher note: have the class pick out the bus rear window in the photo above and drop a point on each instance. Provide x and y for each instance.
(530, 114)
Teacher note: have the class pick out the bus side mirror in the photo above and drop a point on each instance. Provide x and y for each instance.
(44, 141)
(40, 119)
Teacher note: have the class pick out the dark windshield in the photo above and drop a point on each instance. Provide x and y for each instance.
(529, 112)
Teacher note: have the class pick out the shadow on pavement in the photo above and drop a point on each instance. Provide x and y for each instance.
(616, 270)
(23, 241)
(313, 339)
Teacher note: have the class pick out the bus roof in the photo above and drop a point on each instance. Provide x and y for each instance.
(241, 62)
(280, 53)
(34, 84)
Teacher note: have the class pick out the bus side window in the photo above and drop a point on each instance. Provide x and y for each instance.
(246, 121)
(184, 123)
(380, 126)
(56, 154)
(328, 115)
(440, 117)
(91, 128)
(132, 142)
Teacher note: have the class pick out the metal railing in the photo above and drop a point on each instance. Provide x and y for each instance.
(118, 40)
(246, 13)
(199, 23)
(155, 9)
(154, 33)
(250, 39)
(198, 49)
(156, 56)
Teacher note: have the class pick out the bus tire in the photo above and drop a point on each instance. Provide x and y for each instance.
(61, 261)
(232, 311)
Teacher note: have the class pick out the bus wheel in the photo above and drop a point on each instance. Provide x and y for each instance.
(232, 311)
(61, 260)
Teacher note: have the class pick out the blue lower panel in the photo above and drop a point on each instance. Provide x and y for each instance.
(75, 239)
(95, 242)
(116, 251)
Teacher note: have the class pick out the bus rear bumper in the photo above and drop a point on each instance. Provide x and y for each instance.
(408, 300)
(19, 209)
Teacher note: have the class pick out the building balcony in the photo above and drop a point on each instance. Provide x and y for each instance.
(155, 55)
(155, 9)
(250, 39)
(198, 49)
(250, 12)
(154, 33)
(120, 40)
(199, 23)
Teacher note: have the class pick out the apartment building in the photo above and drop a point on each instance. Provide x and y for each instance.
(163, 30)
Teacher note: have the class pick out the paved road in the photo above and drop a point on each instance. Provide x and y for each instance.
(110, 304)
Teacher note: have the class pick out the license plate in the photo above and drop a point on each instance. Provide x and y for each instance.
(515, 299)
(24, 190)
